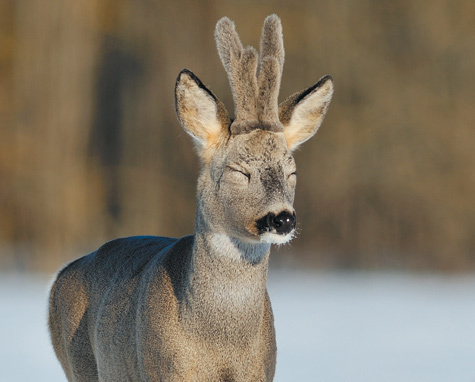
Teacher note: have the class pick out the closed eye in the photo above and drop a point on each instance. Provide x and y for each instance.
(240, 171)
(247, 175)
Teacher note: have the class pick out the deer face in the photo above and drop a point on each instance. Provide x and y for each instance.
(250, 185)
(247, 184)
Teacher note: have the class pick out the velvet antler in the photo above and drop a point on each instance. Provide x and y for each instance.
(255, 83)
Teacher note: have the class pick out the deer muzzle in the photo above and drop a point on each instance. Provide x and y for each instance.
(282, 223)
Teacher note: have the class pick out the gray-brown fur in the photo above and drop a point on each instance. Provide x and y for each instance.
(197, 308)
(272, 57)
(255, 81)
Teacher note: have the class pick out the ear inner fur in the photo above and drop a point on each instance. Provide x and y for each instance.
(303, 112)
(201, 113)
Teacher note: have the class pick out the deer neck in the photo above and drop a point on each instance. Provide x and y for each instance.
(226, 289)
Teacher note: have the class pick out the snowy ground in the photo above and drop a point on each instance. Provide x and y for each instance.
(330, 327)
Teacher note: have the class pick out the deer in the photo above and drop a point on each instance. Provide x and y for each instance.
(196, 308)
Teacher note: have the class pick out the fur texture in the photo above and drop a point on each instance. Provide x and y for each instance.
(197, 308)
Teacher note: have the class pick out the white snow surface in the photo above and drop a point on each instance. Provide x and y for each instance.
(338, 327)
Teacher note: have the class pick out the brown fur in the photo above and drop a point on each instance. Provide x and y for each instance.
(197, 308)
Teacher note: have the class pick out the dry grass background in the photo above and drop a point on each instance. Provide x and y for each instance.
(90, 148)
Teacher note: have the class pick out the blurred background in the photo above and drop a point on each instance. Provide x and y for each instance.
(90, 148)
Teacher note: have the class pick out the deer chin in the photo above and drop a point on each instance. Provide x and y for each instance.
(275, 238)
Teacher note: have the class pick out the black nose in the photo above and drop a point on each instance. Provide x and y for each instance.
(283, 223)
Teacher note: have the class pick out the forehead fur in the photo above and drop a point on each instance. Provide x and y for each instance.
(258, 144)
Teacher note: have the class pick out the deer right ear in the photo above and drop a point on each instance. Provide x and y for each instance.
(201, 114)
(303, 112)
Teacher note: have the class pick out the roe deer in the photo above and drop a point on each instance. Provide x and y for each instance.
(197, 308)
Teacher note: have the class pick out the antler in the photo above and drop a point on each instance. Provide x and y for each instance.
(241, 66)
(270, 72)
(255, 84)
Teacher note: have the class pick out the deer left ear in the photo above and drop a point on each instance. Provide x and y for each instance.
(303, 112)
(200, 113)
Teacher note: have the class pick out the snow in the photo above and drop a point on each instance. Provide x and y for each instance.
(374, 327)
(330, 327)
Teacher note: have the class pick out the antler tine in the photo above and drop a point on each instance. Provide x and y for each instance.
(272, 42)
(270, 73)
(227, 41)
(241, 66)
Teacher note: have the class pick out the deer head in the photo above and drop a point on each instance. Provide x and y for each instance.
(247, 183)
